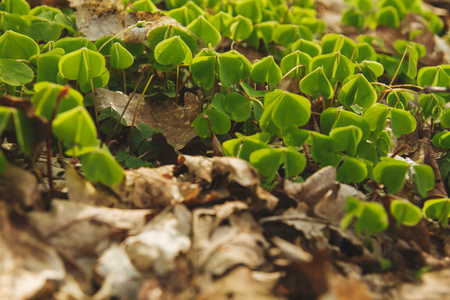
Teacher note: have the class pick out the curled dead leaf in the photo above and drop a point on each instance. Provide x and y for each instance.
(235, 169)
(155, 188)
(219, 248)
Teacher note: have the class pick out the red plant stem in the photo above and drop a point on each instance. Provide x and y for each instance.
(49, 167)
(63, 93)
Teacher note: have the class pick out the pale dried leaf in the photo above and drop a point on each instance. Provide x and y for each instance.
(235, 169)
(153, 188)
(19, 186)
(90, 228)
(82, 190)
(264, 200)
(28, 267)
(314, 188)
(332, 205)
(200, 166)
(240, 283)
(118, 278)
(219, 249)
(161, 242)
(98, 18)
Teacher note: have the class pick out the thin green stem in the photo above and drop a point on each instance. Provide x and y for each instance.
(124, 82)
(116, 35)
(125, 108)
(137, 105)
(176, 83)
(396, 72)
(292, 70)
(95, 110)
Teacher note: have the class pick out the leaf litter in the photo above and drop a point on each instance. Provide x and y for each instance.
(206, 224)
(202, 227)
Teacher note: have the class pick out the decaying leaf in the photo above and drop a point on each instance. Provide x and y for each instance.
(332, 205)
(309, 274)
(82, 190)
(91, 228)
(323, 194)
(314, 188)
(29, 268)
(152, 188)
(235, 169)
(242, 283)
(218, 249)
(157, 246)
(116, 275)
(434, 285)
(173, 120)
(19, 186)
(97, 18)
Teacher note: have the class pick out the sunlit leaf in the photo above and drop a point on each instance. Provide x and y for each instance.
(424, 178)
(100, 166)
(316, 83)
(173, 51)
(437, 209)
(75, 126)
(405, 212)
(391, 173)
(205, 30)
(14, 72)
(82, 65)
(17, 46)
(120, 58)
(352, 170)
(266, 70)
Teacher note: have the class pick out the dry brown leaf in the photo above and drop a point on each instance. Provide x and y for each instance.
(323, 194)
(19, 186)
(235, 169)
(218, 249)
(29, 268)
(173, 120)
(240, 284)
(308, 276)
(319, 234)
(82, 190)
(332, 205)
(314, 188)
(155, 188)
(349, 288)
(91, 229)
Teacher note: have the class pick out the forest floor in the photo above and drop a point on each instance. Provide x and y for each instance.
(201, 227)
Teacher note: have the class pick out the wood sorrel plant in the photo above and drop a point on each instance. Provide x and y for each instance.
(335, 111)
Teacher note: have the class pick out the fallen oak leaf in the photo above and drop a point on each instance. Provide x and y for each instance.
(170, 118)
